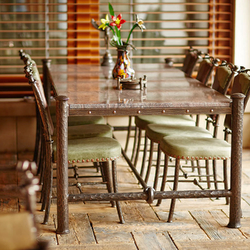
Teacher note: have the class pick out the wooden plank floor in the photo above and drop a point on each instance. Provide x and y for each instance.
(198, 223)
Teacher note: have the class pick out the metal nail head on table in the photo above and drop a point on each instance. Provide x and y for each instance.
(89, 90)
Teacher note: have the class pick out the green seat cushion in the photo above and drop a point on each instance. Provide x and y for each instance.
(142, 121)
(156, 132)
(195, 148)
(82, 120)
(78, 120)
(92, 149)
(87, 131)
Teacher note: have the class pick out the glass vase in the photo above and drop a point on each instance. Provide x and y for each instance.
(122, 66)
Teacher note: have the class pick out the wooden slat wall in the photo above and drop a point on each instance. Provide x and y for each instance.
(62, 31)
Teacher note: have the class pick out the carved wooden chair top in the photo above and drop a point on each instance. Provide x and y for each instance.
(192, 57)
(205, 69)
(241, 85)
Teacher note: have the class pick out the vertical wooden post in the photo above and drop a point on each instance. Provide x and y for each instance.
(62, 164)
(236, 160)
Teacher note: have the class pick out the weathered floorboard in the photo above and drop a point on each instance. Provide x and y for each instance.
(213, 229)
(215, 245)
(153, 241)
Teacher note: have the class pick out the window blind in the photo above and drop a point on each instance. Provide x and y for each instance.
(61, 30)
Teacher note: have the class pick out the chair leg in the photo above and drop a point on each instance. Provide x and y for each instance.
(43, 184)
(149, 161)
(215, 174)
(134, 144)
(43, 175)
(173, 201)
(39, 137)
(48, 198)
(96, 165)
(115, 185)
(138, 148)
(164, 178)
(225, 164)
(157, 170)
(192, 166)
(144, 157)
(197, 123)
(225, 179)
(208, 174)
(48, 183)
(107, 178)
(42, 161)
(128, 133)
(198, 169)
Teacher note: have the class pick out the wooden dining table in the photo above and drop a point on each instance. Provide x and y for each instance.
(84, 90)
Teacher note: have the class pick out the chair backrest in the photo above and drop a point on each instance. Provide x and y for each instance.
(191, 58)
(28, 61)
(41, 102)
(205, 69)
(241, 85)
(223, 77)
(25, 57)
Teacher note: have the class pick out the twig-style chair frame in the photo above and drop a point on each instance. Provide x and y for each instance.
(48, 132)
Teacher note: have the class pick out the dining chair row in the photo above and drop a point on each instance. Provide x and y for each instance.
(142, 121)
(85, 144)
(222, 80)
(196, 147)
(205, 70)
(156, 130)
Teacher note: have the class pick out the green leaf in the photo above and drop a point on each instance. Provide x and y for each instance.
(118, 34)
(111, 10)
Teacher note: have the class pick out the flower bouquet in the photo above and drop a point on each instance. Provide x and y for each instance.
(122, 67)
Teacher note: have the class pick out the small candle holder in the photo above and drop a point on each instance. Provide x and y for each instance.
(132, 83)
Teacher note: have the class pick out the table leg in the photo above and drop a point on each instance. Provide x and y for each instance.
(62, 164)
(236, 160)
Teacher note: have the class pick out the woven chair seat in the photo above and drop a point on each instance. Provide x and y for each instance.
(155, 132)
(195, 148)
(143, 120)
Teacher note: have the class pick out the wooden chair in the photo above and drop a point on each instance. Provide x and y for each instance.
(180, 147)
(19, 230)
(95, 149)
